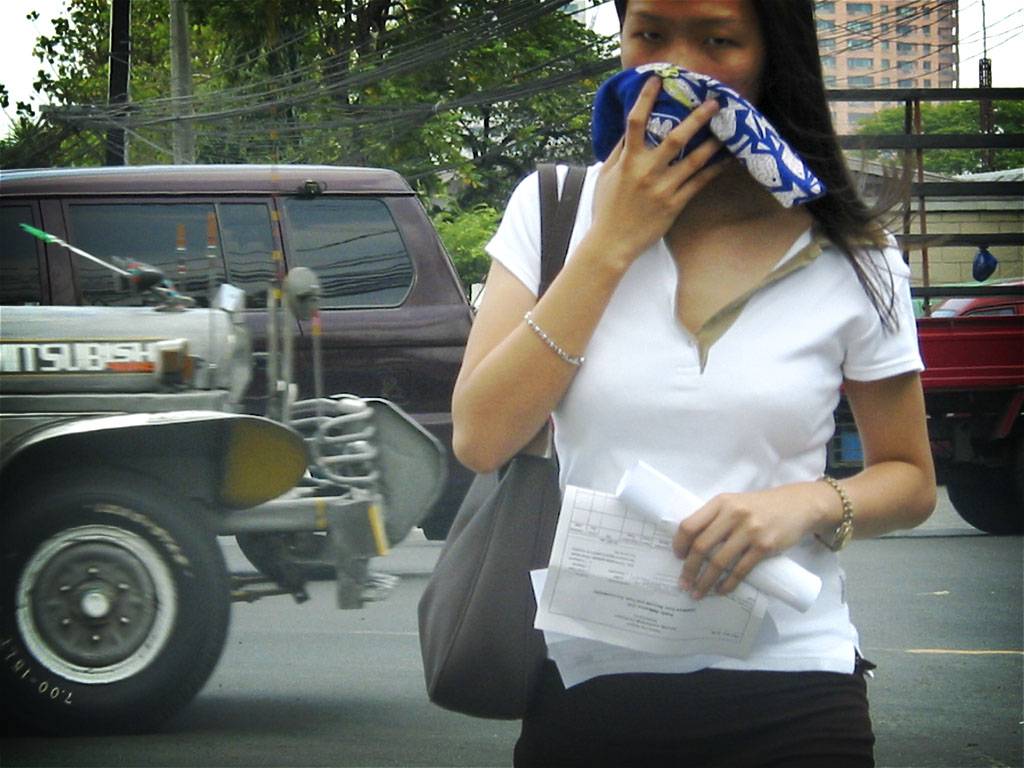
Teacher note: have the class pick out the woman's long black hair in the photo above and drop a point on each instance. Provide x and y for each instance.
(793, 100)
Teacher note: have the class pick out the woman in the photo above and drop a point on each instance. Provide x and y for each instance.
(703, 361)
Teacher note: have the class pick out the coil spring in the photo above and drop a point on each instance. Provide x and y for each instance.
(339, 432)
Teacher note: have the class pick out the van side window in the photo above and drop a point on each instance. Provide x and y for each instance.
(353, 246)
(170, 237)
(248, 245)
(19, 262)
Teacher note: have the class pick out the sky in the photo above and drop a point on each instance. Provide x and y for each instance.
(1004, 22)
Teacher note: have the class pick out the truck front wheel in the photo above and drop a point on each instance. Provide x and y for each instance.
(989, 498)
(115, 604)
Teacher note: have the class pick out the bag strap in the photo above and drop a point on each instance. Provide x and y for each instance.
(557, 218)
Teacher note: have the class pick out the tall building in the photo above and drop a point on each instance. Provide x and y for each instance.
(886, 44)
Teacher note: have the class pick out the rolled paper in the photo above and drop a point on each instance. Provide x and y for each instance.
(744, 131)
(659, 498)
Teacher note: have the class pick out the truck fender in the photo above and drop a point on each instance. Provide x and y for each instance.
(221, 460)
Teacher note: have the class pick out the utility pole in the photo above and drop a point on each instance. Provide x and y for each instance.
(117, 88)
(985, 81)
(183, 142)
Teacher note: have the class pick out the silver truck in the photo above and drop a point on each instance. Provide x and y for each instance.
(124, 455)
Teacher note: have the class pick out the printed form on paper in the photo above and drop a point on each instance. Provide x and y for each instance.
(614, 578)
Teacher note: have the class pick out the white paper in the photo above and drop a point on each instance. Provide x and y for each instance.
(614, 578)
(579, 660)
(657, 497)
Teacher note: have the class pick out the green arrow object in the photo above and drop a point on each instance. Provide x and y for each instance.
(46, 237)
(167, 289)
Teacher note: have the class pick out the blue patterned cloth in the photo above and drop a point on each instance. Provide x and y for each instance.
(738, 125)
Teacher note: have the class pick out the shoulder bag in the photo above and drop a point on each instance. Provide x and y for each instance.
(481, 654)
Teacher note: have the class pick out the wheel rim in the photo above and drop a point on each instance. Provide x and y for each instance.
(96, 603)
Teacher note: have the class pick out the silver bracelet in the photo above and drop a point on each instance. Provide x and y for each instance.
(573, 360)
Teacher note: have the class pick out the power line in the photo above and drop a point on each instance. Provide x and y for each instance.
(277, 131)
(269, 94)
(385, 116)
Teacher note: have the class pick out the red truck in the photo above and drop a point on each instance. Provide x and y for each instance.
(974, 394)
(972, 343)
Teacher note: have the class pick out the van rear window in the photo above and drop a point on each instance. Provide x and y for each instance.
(353, 246)
(19, 264)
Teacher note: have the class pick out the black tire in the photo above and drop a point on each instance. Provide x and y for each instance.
(115, 604)
(988, 498)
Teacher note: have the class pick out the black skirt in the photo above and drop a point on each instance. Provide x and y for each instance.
(707, 718)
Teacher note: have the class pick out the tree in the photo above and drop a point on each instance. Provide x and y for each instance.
(75, 67)
(956, 117)
(464, 234)
(463, 97)
(32, 144)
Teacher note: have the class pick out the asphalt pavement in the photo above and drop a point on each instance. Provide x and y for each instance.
(939, 610)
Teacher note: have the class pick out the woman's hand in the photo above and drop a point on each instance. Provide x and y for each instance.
(510, 381)
(641, 189)
(723, 540)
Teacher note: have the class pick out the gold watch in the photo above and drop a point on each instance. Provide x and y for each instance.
(844, 531)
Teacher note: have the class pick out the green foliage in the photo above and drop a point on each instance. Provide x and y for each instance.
(956, 117)
(454, 94)
(32, 144)
(74, 70)
(464, 234)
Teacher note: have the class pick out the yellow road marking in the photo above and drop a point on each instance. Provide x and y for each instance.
(956, 652)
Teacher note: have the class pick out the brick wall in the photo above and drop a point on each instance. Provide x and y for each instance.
(953, 264)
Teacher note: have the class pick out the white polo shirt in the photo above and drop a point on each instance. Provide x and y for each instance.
(757, 414)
